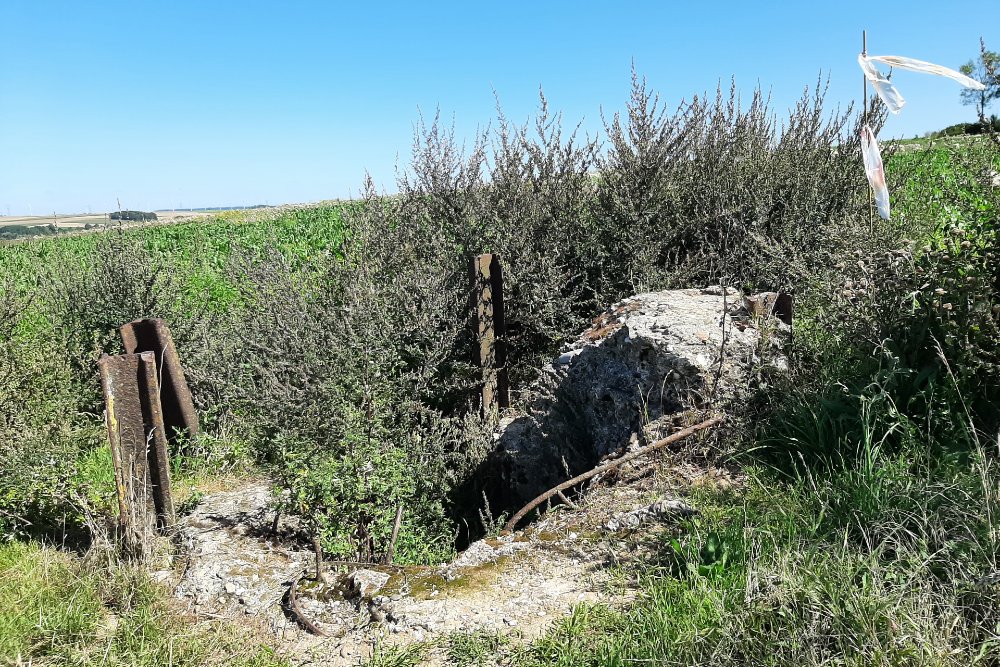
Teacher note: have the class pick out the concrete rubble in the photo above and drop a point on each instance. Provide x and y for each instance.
(624, 381)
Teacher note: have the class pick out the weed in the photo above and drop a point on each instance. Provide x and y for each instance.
(57, 610)
(408, 655)
(476, 648)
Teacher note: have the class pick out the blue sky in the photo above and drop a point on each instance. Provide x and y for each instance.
(233, 103)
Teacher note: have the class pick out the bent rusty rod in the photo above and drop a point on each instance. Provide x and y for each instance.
(297, 611)
(659, 444)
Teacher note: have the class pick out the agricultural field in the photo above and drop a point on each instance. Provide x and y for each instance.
(13, 228)
(81, 220)
(327, 348)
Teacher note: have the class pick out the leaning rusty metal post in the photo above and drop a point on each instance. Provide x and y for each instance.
(179, 413)
(491, 355)
(138, 441)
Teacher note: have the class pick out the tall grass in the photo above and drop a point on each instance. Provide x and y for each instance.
(885, 561)
(55, 610)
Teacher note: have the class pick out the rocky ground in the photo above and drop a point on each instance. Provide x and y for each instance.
(650, 365)
(237, 568)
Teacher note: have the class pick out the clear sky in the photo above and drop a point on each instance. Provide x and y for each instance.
(205, 103)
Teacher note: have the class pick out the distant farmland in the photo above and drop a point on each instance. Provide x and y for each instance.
(82, 220)
(13, 227)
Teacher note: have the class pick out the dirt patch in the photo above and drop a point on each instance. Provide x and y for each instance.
(516, 585)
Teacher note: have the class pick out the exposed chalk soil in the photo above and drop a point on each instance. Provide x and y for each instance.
(237, 568)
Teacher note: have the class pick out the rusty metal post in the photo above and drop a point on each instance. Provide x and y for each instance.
(491, 353)
(783, 307)
(138, 440)
(153, 335)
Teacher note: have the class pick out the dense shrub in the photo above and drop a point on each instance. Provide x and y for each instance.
(348, 387)
(345, 360)
(928, 310)
(117, 282)
(41, 434)
(715, 190)
(719, 190)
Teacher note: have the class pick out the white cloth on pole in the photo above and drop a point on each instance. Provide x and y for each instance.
(888, 93)
(928, 68)
(883, 87)
(875, 171)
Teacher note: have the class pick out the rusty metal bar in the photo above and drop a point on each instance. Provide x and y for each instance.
(157, 450)
(783, 307)
(138, 441)
(153, 335)
(491, 355)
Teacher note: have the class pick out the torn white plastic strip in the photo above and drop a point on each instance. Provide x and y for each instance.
(874, 170)
(886, 91)
(927, 68)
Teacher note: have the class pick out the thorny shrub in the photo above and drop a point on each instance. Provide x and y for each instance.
(41, 435)
(719, 190)
(349, 371)
(118, 282)
(345, 384)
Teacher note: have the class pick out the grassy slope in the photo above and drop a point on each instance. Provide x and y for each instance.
(56, 611)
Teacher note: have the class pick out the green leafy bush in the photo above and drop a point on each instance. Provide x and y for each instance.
(925, 315)
(41, 436)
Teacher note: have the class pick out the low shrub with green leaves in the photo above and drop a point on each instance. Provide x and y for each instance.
(40, 432)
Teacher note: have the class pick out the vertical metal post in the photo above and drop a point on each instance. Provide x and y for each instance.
(154, 336)
(864, 79)
(157, 450)
(138, 441)
(491, 355)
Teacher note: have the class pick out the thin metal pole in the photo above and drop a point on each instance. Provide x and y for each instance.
(864, 52)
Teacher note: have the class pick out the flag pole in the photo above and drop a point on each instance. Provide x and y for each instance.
(864, 79)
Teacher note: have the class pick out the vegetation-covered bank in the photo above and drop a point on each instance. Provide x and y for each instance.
(329, 346)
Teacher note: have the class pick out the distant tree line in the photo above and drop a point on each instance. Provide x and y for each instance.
(991, 124)
(15, 232)
(137, 216)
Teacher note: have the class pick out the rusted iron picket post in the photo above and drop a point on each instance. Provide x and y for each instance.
(138, 441)
(767, 304)
(153, 335)
(491, 353)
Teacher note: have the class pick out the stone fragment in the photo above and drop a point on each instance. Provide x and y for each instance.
(364, 583)
(661, 510)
